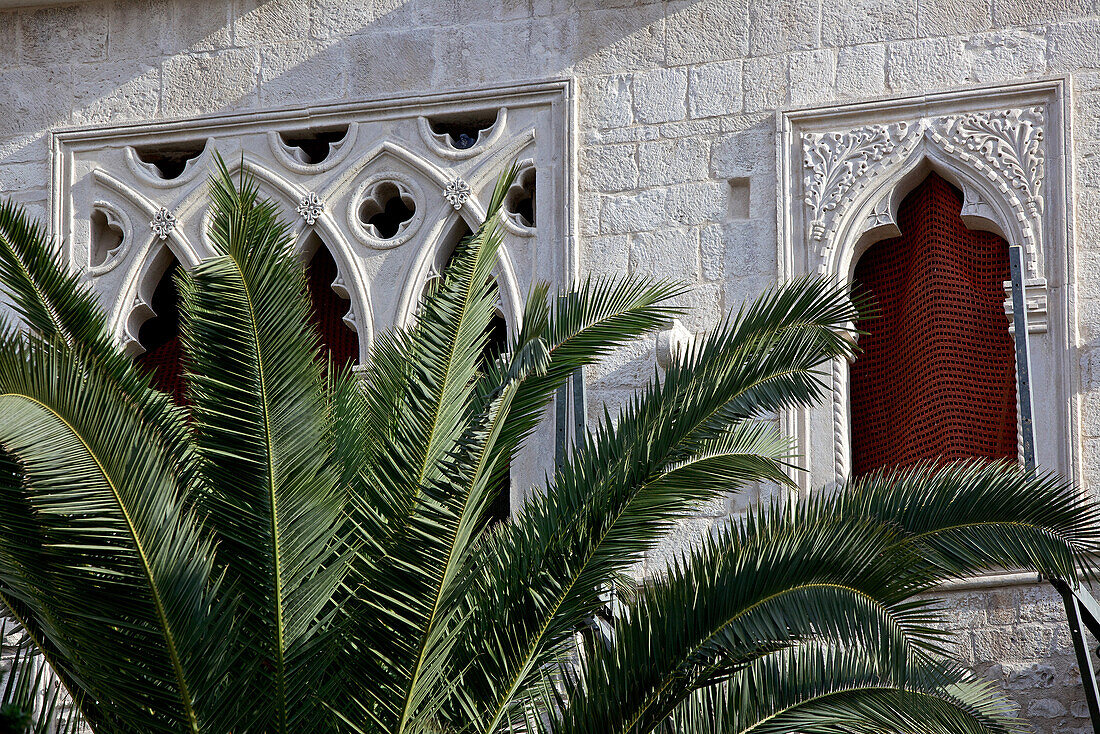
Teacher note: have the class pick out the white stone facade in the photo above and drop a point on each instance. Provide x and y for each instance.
(680, 124)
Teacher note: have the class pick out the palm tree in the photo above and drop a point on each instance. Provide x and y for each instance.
(306, 549)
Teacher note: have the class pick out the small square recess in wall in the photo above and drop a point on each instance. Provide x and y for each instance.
(739, 198)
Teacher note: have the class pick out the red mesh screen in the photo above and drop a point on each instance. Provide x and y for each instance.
(165, 364)
(936, 377)
(329, 309)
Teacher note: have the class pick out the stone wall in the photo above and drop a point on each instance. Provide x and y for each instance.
(676, 128)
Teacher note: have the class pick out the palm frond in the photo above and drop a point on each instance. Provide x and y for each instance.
(817, 689)
(260, 425)
(608, 506)
(60, 307)
(117, 578)
(32, 700)
(433, 452)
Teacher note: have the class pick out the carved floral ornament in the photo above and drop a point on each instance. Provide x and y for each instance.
(1004, 147)
(310, 208)
(163, 223)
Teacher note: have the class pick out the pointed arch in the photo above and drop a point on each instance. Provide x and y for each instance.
(868, 214)
(935, 379)
(430, 260)
(332, 314)
(134, 305)
(159, 335)
(872, 213)
(353, 281)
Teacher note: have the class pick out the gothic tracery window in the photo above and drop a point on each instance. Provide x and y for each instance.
(936, 377)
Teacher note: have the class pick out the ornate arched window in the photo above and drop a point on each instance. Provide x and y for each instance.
(936, 375)
(160, 335)
(339, 341)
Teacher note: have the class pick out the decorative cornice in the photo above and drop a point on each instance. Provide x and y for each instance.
(836, 161)
(1006, 146)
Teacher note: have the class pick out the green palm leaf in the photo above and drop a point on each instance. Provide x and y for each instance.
(113, 536)
(308, 548)
(260, 426)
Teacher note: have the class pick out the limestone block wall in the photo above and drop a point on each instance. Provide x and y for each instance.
(675, 123)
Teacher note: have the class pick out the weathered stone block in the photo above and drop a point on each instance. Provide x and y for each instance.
(716, 89)
(609, 168)
(745, 289)
(1073, 45)
(861, 70)
(670, 252)
(749, 246)
(333, 19)
(951, 17)
(745, 154)
(673, 161)
(609, 255)
(22, 177)
(698, 203)
(1027, 12)
(867, 21)
(1047, 708)
(116, 91)
(712, 251)
(766, 83)
(660, 95)
(260, 22)
(710, 31)
(636, 212)
(210, 82)
(614, 40)
(606, 101)
(138, 29)
(704, 307)
(1008, 55)
(1028, 676)
(778, 26)
(589, 213)
(812, 76)
(35, 98)
(302, 71)
(925, 64)
(379, 64)
(704, 128)
(64, 34)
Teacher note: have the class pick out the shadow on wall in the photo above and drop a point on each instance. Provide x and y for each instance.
(135, 60)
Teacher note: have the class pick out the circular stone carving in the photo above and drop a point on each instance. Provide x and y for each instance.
(384, 212)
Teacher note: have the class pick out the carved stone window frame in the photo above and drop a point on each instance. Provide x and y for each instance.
(100, 167)
(843, 170)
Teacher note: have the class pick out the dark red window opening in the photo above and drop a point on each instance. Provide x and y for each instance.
(160, 335)
(936, 376)
(338, 341)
